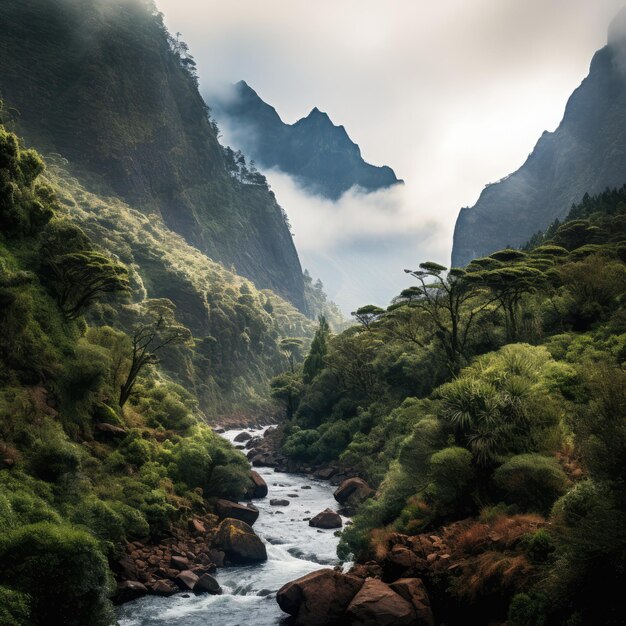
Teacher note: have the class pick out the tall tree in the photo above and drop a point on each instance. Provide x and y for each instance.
(314, 362)
(158, 329)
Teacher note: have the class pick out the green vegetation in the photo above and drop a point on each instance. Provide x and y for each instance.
(490, 392)
(117, 341)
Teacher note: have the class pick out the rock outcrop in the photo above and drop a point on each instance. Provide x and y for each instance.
(246, 513)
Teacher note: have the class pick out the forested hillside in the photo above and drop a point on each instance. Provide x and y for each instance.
(486, 406)
(105, 85)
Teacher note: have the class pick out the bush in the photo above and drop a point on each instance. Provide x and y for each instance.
(532, 481)
(14, 608)
(54, 458)
(526, 611)
(63, 571)
(451, 473)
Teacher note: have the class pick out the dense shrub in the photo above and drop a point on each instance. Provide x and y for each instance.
(63, 571)
(532, 481)
(14, 608)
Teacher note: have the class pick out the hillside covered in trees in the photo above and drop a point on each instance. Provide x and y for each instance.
(103, 84)
(487, 408)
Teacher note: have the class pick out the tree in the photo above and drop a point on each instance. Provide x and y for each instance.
(367, 315)
(446, 301)
(158, 329)
(314, 362)
(287, 388)
(509, 275)
(290, 347)
(77, 272)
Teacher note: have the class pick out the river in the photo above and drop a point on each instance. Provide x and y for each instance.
(293, 549)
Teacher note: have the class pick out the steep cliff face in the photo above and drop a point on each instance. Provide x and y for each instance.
(316, 152)
(587, 153)
(102, 83)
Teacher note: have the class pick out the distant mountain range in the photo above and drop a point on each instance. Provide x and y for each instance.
(587, 153)
(317, 153)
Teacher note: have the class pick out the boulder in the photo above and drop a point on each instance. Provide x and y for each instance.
(239, 542)
(225, 508)
(163, 588)
(186, 580)
(197, 526)
(259, 486)
(326, 519)
(318, 598)
(180, 563)
(376, 604)
(207, 584)
(400, 562)
(129, 590)
(327, 473)
(241, 437)
(413, 591)
(217, 557)
(279, 502)
(353, 491)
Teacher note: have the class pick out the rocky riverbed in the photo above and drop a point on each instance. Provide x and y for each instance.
(294, 549)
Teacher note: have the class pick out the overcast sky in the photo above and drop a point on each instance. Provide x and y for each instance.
(452, 94)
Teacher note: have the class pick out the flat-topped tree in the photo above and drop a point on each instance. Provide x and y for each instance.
(450, 302)
(157, 329)
(509, 275)
(368, 314)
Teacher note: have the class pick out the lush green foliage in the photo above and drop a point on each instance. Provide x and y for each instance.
(491, 391)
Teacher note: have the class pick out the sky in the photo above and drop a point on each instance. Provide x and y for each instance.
(452, 94)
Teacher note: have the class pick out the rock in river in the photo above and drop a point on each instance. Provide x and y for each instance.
(326, 519)
(239, 542)
(279, 502)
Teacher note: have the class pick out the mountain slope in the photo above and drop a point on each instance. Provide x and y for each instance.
(319, 154)
(587, 153)
(103, 84)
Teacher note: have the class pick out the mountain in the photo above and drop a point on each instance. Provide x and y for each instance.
(320, 155)
(103, 84)
(586, 153)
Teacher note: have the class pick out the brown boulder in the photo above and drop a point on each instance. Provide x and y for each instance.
(207, 584)
(353, 491)
(318, 598)
(241, 437)
(163, 588)
(180, 563)
(239, 542)
(197, 526)
(186, 580)
(129, 590)
(326, 474)
(259, 486)
(377, 605)
(413, 591)
(217, 557)
(225, 508)
(326, 519)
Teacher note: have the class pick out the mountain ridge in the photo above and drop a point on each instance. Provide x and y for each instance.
(585, 154)
(317, 152)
